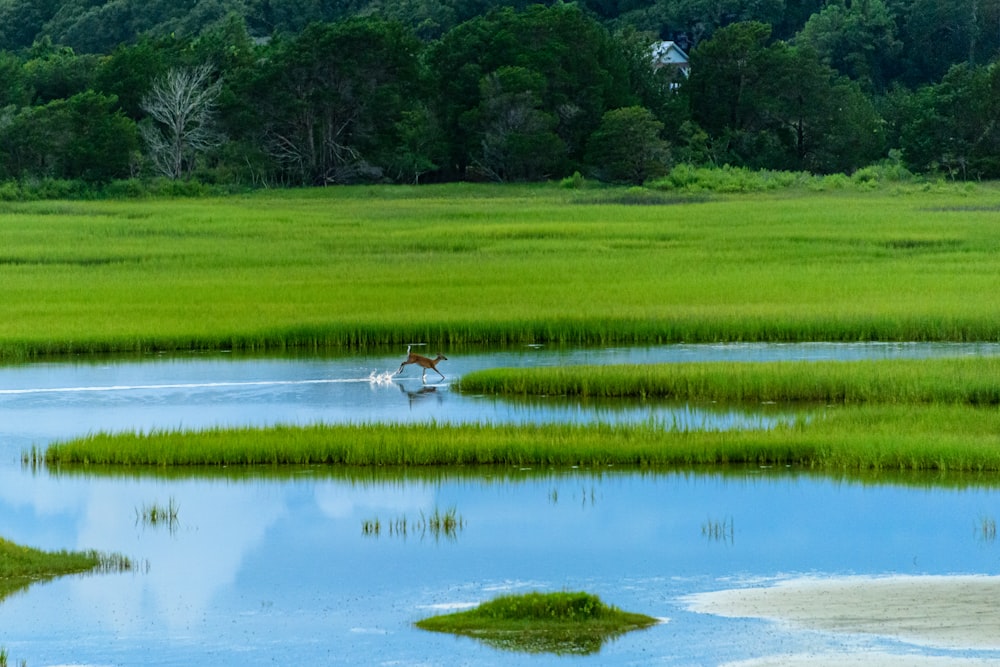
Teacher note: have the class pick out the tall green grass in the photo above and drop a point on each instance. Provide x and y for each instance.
(935, 437)
(969, 380)
(463, 264)
(562, 623)
(21, 566)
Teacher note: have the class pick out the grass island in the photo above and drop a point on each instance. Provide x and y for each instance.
(562, 623)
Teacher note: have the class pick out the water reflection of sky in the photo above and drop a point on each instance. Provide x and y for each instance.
(264, 571)
(277, 571)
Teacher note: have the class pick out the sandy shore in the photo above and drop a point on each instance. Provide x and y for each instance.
(861, 660)
(952, 612)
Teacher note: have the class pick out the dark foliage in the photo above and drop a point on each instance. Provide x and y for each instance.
(343, 91)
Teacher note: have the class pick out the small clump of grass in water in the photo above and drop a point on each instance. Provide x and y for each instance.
(563, 623)
(154, 515)
(439, 524)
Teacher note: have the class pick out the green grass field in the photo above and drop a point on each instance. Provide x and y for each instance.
(459, 264)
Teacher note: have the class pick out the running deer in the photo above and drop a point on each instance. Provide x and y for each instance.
(423, 362)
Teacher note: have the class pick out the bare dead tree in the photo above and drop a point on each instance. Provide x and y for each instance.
(182, 107)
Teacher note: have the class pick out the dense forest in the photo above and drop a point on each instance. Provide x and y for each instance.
(310, 92)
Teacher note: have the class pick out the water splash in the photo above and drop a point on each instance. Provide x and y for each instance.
(380, 379)
(375, 378)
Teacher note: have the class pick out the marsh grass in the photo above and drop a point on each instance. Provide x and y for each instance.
(873, 437)
(355, 267)
(561, 623)
(716, 530)
(154, 515)
(438, 524)
(21, 566)
(4, 659)
(966, 380)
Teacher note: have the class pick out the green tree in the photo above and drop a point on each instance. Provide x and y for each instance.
(429, 19)
(102, 143)
(518, 138)
(15, 90)
(57, 73)
(726, 85)
(585, 72)
(858, 40)
(328, 102)
(953, 127)
(420, 146)
(822, 121)
(938, 34)
(129, 71)
(627, 147)
(96, 28)
(100, 27)
(770, 105)
(21, 21)
(84, 137)
(697, 20)
(287, 17)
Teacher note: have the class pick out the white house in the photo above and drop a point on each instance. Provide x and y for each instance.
(668, 54)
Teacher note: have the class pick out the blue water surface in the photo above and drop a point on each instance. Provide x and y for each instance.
(278, 569)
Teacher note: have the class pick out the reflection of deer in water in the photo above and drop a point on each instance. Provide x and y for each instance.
(423, 362)
(415, 396)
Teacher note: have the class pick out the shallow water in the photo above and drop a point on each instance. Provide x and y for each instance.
(264, 571)
(48, 401)
(278, 570)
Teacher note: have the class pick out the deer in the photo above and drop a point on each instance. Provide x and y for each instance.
(423, 362)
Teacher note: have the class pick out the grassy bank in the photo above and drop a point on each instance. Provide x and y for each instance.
(562, 623)
(21, 566)
(967, 380)
(458, 264)
(872, 437)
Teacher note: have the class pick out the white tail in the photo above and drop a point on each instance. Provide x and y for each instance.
(423, 362)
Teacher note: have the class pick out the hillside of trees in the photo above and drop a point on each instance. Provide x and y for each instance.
(311, 92)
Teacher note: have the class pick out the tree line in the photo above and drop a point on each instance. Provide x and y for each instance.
(276, 93)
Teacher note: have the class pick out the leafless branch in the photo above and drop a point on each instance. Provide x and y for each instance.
(182, 107)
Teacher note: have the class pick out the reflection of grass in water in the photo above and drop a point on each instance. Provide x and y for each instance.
(719, 531)
(987, 529)
(22, 566)
(586, 497)
(154, 515)
(562, 623)
(439, 524)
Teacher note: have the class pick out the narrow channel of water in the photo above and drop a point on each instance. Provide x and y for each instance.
(58, 400)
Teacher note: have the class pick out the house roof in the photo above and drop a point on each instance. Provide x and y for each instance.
(668, 53)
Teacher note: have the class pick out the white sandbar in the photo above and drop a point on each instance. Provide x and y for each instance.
(951, 612)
